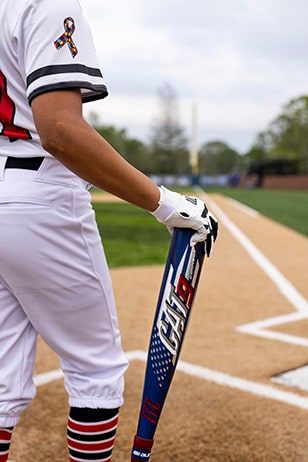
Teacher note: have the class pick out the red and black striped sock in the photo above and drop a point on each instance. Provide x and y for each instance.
(91, 434)
(5, 440)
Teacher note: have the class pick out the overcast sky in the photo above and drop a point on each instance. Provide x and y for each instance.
(239, 61)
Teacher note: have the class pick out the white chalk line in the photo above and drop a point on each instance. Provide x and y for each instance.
(208, 375)
(47, 377)
(283, 285)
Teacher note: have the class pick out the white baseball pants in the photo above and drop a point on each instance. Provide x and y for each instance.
(54, 282)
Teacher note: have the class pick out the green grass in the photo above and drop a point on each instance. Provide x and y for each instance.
(132, 237)
(289, 208)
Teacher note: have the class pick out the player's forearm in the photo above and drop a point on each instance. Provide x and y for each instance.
(90, 156)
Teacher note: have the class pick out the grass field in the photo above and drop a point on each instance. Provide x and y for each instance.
(133, 238)
(287, 207)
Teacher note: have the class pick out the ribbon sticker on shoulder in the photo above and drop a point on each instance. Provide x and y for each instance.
(66, 37)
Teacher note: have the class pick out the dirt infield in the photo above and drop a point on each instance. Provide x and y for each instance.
(249, 322)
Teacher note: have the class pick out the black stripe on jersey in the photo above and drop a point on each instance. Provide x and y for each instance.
(63, 69)
(95, 91)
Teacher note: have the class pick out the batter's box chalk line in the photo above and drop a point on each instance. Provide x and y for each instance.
(284, 286)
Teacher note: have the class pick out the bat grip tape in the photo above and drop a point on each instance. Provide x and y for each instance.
(141, 449)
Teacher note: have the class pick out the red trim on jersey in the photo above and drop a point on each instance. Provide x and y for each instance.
(7, 115)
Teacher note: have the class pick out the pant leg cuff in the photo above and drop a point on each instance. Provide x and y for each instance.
(96, 403)
(8, 421)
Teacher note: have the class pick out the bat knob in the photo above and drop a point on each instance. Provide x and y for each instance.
(141, 449)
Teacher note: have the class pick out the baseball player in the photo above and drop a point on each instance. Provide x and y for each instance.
(54, 280)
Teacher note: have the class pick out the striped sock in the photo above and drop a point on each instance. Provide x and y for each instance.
(5, 440)
(91, 434)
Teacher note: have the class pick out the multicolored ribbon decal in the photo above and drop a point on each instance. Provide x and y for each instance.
(66, 38)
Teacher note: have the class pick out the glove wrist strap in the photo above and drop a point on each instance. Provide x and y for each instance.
(165, 209)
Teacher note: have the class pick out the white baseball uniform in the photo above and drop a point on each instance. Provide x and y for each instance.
(54, 279)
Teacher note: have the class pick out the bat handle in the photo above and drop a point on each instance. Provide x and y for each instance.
(141, 450)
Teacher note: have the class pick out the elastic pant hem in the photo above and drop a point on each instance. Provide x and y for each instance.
(96, 403)
(8, 421)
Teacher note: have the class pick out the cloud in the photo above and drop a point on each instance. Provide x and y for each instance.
(239, 60)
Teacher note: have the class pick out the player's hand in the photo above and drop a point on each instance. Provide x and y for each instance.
(179, 211)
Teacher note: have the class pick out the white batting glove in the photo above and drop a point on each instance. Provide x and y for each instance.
(178, 211)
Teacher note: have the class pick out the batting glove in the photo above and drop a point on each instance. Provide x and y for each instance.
(178, 211)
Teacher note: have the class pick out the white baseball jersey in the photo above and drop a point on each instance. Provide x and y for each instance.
(45, 45)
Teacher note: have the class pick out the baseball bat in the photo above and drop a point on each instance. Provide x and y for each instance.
(176, 296)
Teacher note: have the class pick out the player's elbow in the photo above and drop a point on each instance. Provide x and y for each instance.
(57, 116)
(55, 139)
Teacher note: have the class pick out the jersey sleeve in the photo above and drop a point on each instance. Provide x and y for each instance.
(58, 52)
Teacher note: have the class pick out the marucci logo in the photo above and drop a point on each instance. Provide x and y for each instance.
(142, 455)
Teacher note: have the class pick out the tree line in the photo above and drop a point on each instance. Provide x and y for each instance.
(281, 148)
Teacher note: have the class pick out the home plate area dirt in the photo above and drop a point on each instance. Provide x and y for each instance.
(249, 324)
